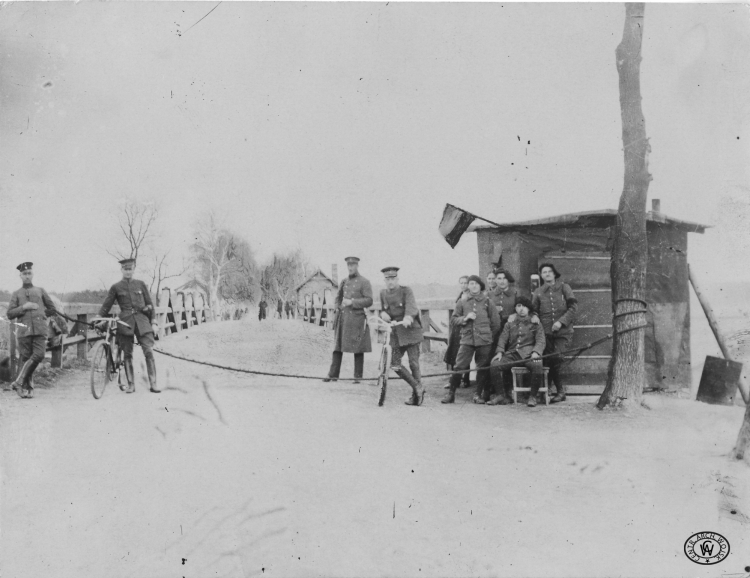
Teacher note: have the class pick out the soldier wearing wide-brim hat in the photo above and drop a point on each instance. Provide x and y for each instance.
(352, 335)
(557, 307)
(397, 303)
(136, 311)
(29, 307)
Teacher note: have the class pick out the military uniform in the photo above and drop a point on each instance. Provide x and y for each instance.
(399, 303)
(556, 302)
(477, 336)
(518, 340)
(352, 335)
(31, 330)
(134, 300)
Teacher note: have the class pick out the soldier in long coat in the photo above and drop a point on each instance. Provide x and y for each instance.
(557, 307)
(398, 304)
(136, 311)
(29, 307)
(352, 335)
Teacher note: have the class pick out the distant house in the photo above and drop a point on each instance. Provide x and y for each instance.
(315, 296)
(579, 245)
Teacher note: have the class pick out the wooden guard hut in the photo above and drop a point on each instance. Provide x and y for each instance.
(315, 297)
(580, 245)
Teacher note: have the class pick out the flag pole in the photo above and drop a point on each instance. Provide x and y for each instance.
(487, 221)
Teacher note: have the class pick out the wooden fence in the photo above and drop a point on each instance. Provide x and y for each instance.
(174, 312)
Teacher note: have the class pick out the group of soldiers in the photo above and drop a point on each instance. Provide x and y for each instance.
(30, 306)
(281, 308)
(496, 325)
(352, 335)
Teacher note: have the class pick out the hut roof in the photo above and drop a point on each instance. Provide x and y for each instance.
(318, 272)
(589, 219)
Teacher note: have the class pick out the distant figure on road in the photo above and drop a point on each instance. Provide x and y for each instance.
(137, 311)
(262, 310)
(280, 308)
(29, 306)
(350, 326)
(288, 309)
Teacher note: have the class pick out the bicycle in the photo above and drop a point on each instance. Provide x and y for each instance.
(383, 330)
(106, 359)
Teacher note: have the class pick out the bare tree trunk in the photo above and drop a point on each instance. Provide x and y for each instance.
(627, 373)
(743, 439)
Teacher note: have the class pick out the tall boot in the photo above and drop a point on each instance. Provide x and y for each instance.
(335, 369)
(479, 392)
(554, 376)
(151, 369)
(450, 397)
(129, 376)
(536, 383)
(408, 378)
(359, 366)
(29, 381)
(23, 376)
(499, 390)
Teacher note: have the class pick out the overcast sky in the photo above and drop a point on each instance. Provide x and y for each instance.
(345, 128)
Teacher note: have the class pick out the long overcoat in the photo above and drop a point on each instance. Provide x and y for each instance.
(350, 327)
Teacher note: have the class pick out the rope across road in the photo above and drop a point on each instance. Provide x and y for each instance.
(575, 353)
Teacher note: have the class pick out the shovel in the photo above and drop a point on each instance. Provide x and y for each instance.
(721, 378)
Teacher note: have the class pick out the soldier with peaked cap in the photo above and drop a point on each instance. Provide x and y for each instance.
(398, 304)
(29, 307)
(137, 311)
(350, 326)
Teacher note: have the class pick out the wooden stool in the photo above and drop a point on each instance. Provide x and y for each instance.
(518, 371)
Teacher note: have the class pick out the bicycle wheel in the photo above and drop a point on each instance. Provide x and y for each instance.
(385, 361)
(101, 369)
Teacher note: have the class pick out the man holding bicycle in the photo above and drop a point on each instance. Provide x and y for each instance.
(398, 304)
(136, 311)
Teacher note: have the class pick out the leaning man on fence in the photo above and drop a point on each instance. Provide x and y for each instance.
(398, 304)
(29, 307)
(136, 310)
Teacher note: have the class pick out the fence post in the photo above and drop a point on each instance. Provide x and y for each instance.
(13, 360)
(198, 308)
(57, 352)
(83, 346)
(425, 315)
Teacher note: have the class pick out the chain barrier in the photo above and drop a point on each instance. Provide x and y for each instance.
(576, 351)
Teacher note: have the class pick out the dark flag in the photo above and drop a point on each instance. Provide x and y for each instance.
(454, 224)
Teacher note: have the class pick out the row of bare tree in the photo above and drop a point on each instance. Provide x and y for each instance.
(222, 263)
